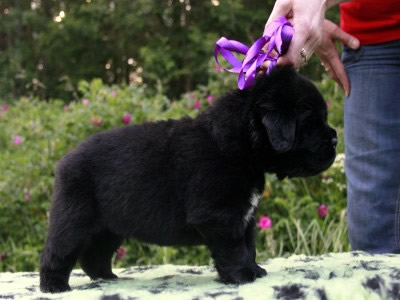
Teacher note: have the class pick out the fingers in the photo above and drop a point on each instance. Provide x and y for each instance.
(265, 64)
(329, 56)
(335, 69)
(307, 23)
(341, 75)
(293, 56)
(309, 46)
(345, 38)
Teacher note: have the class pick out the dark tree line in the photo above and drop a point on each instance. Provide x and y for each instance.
(47, 46)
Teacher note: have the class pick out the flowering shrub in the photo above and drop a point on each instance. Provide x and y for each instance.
(35, 134)
(126, 119)
(121, 251)
(323, 210)
(264, 222)
(17, 140)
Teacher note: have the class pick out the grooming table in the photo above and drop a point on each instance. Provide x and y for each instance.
(353, 275)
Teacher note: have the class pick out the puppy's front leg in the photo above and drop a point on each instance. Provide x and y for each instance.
(250, 235)
(229, 251)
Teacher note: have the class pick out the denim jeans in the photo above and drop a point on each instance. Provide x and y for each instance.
(372, 147)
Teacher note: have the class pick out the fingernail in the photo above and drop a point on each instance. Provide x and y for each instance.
(346, 93)
(354, 43)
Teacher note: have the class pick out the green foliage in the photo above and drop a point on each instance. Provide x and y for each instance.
(160, 42)
(49, 129)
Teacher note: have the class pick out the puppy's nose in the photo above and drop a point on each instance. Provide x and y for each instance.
(334, 142)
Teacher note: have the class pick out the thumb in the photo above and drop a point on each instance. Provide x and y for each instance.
(346, 38)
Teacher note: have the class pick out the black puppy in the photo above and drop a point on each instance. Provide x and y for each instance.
(186, 182)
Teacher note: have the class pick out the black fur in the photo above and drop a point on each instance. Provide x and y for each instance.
(185, 182)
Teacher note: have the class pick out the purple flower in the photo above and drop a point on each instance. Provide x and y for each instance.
(126, 119)
(121, 251)
(66, 107)
(114, 94)
(2, 256)
(85, 102)
(97, 121)
(210, 99)
(17, 140)
(5, 107)
(197, 104)
(323, 211)
(27, 196)
(265, 222)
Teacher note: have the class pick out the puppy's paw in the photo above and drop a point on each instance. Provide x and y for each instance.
(109, 276)
(240, 276)
(54, 287)
(260, 272)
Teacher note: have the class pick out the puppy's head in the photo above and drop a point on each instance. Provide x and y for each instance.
(292, 113)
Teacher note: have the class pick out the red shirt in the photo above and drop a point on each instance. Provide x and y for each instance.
(371, 21)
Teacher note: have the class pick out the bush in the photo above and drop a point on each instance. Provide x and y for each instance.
(36, 134)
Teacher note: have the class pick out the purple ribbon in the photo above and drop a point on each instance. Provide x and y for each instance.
(279, 34)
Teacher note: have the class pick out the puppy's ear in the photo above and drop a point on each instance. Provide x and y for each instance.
(276, 94)
(281, 129)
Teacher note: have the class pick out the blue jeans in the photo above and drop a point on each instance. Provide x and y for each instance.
(372, 147)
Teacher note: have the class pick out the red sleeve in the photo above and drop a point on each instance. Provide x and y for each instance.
(371, 21)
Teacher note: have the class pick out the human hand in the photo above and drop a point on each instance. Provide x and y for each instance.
(307, 17)
(329, 56)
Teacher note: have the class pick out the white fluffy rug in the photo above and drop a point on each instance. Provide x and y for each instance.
(354, 275)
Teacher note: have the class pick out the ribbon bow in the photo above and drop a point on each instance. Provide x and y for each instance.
(279, 34)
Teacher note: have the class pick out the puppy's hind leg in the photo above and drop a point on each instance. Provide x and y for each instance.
(59, 257)
(72, 224)
(96, 259)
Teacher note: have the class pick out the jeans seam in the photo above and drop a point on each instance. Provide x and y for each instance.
(397, 222)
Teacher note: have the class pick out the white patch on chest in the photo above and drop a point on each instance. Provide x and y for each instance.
(254, 199)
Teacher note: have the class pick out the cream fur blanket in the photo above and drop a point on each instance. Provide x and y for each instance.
(354, 275)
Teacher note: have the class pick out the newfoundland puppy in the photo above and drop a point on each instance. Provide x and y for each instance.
(186, 182)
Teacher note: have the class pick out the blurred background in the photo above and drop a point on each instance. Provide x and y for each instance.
(71, 68)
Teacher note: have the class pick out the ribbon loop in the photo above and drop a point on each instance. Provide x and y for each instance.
(279, 35)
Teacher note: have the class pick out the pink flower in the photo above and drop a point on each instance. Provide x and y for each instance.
(2, 256)
(121, 251)
(323, 211)
(210, 99)
(5, 107)
(191, 95)
(27, 196)
(17, 140)
(328, 104)
(114, 94)
(96, 121)
(126, 119)
(218, 69)
(66, 107)
(264, 222)
(85, 102)
(197, 104)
